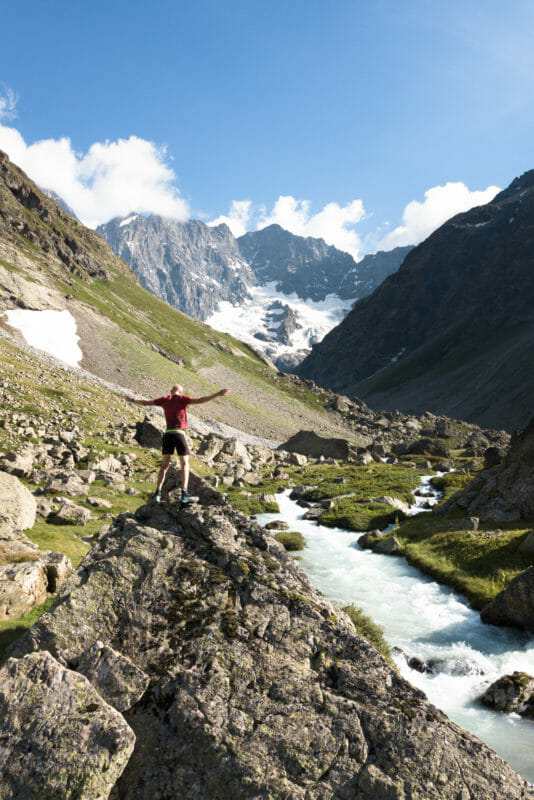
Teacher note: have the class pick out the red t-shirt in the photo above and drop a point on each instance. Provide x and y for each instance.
(174, 407)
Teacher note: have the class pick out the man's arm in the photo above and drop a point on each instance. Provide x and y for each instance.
(208, 397)
(138, 402)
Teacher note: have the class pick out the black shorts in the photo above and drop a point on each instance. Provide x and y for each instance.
(175, 441)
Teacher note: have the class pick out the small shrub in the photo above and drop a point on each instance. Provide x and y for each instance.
(369, 630)
(292, 540)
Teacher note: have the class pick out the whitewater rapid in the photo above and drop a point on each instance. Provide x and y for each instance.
(427, 621)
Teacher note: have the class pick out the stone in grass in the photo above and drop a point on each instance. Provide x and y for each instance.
(292, 540)
(58, 737)
(277, 526)
(70, 514)
(99, 502)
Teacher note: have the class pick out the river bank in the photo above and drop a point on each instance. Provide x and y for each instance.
(424, 620)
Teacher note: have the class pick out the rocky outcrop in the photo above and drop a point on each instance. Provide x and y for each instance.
(503, 493)
(515, 604)
(450, 330)
(27, 215)
(149, 435)
(58, 739)
(513, 694)
(28, 583)
(248, 683)
(17, 514)
(17, 505)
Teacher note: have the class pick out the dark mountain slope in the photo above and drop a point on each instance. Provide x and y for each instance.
(452, 330)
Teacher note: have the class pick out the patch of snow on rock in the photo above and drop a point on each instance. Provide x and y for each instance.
(128, 220)
(252, 322)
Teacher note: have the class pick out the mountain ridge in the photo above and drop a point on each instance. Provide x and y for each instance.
(436, 333)
(200, 268)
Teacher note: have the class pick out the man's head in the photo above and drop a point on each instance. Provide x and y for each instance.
(177, 389)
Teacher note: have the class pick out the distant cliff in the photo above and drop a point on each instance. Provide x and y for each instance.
(189, 264)
(452, 330)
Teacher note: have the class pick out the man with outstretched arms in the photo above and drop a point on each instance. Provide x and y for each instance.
(175, 408)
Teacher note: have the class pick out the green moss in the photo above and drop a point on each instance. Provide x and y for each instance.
(10, 630)
(366, 482)
(250, 505)
(369, 630)
(292, 540)
(355, 516)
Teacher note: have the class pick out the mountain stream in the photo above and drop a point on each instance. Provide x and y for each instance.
(427, 621)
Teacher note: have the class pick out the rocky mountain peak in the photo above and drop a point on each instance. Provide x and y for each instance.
(29, 219)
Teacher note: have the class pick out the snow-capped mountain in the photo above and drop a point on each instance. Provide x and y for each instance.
(280, 292)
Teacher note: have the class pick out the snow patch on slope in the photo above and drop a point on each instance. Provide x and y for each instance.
(51, 331)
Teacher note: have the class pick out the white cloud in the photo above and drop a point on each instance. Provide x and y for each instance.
(238, 217)
(8, 104)
(441, 203)
(334, 223)
(111, 179)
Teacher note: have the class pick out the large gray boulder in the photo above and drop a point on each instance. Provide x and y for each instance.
(19, 462)
(148, 435)
(22, 586)
(515, 604)
(311, 444)
(513, 694)
(258, 686)
(58, 738)
(17, 513)
(67, 482)
(504, 493)
(17, 504)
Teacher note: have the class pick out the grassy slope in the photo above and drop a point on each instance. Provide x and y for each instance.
(140, 342)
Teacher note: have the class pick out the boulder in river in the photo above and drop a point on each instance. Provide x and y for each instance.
(511, 694)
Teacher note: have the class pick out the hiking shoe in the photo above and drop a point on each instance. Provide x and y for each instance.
(188, 498)
(157, 497)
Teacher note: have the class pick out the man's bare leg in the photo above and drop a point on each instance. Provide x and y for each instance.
(184, 462)
(165, 461)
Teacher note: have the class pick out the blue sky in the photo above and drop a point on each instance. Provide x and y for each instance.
(368, 122)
